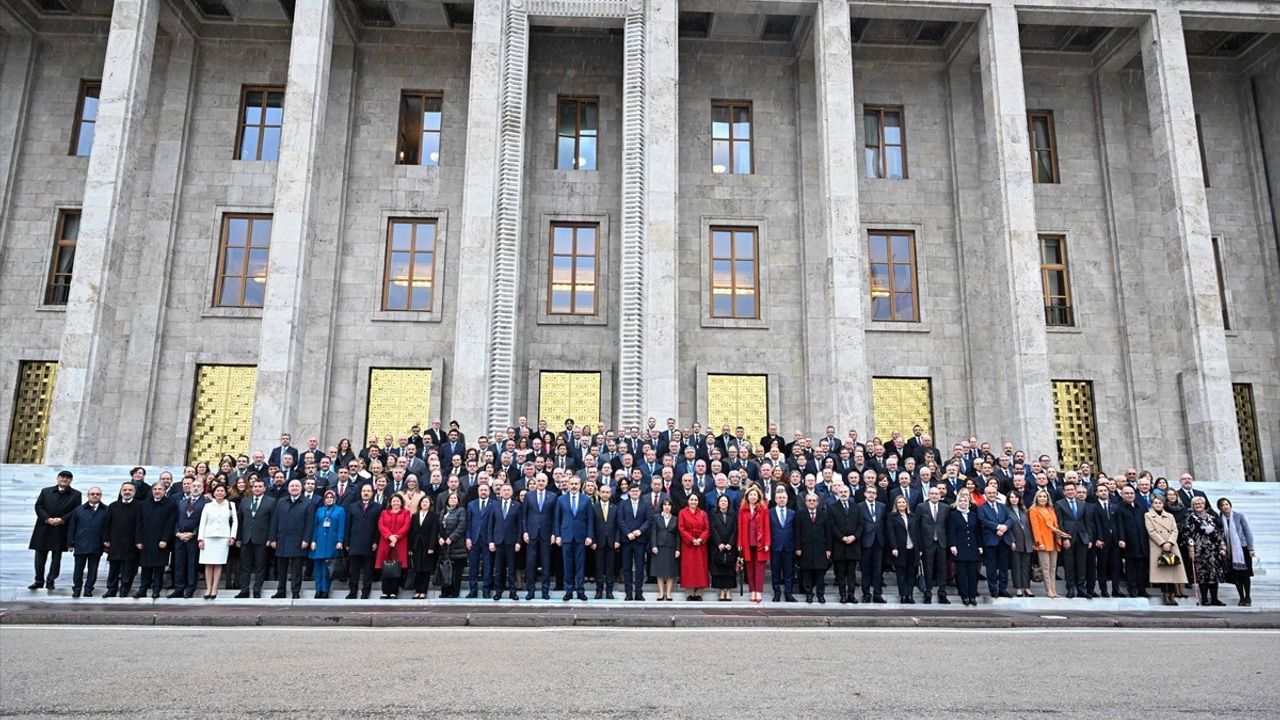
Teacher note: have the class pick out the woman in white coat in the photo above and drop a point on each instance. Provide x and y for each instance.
(217, 533)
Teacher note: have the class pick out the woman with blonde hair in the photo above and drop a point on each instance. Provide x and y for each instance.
(753, 539)
(1048, 539)
(1165, 562)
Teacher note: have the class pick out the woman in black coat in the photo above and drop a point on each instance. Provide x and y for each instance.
(664, 543)
(903, 551)
(724, 542)
(424, 545)
(453, 531)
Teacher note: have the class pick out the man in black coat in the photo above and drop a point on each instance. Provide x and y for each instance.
(846, 531)
(362, 542)
(931, 537)
(813, 547)
(256, 512)
(291, 528)
(120, 538)
(1104, 554)
(606, 541)
(1134, 543)
(85, 533)
(54, 506)
(156, 521)
(186, 552)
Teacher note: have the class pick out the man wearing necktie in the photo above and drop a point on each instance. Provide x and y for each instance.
(504, 543)
(574, 533)
(538, 513)
(634, 519)
(997, 542)
(186, 550)
(846, 531)
(1075, 549)
(254, 529)
(479, 559)
(1104, 554)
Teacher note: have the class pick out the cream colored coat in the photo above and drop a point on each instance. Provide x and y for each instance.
(1163, 529)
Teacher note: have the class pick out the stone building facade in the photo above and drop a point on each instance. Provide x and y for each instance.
(1078, 202)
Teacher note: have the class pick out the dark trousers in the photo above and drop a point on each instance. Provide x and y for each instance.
(152, 579)
(479, 569)
(55, 565)
(1020, 568)
(85, 573)
(1074, 561)
(575, 566)
(1104, 568)
(426, 568)
(782, 568)
(814, 581)
(967, 578)
(459, 565)
(290, 569)
(120, 574)
(360, 577)
(905, 570)
(997, 559)
(1136, 575)
(186, 556)
(253, 566)
(934, 561)
(846, 575)
(633, 554)
(557, 569)
(504, 569)
(872, 570)
(606, 568)
(537, 555)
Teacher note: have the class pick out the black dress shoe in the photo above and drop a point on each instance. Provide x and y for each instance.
(853, 599)
(110, 594)
(175, 594)
(297, 596)
(822, 599)
(514, 595)
(942, 600)
(36, 585)
(639, 597)
(628, 597)
(257, 594)
(528, 595)
(155, 594)
(49, 586)
(473, 595)
(497, 597)
(88, 593)
(75, 593)
(928, 599)
(568, 596)
(599, 594)
(608, 594)
(1106, 594)
(546, 595)
(777, 597)
(808, 599)
(879, 599)
(242, 594)
(790, 598)
(582, 595)
(279, 595)
(190, 594)
(140, 594)
(866, 598)
(909, 600)
(351, 595)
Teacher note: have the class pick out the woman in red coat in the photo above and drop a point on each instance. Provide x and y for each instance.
(695, 531)
(393, 543)
(753, 539)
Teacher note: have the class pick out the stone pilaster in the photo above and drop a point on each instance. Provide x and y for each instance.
(1213, 439)
(661, 388)
(152, 257)
(1011, 232)
(294, 224)
(91, 329)
(15, 88)
(635, 130)
(483, 373)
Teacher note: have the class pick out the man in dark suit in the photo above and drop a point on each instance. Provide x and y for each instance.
(254, 531)
(904, 488)
(1075, 550)
(1187, 492)
(538, 513)
(606, 541)
(291, 530)
(931, 538)
(186, 551)
(813, 547)
(872, 514)
(997, 542)
(654, 497)
(362, 542)
(782, 538)
(54, 506)
(121, 536)
(1104, 554)
(634, 517)
(504, 542)
(574, 533)
(452, 446)
(1134, 543)
(86, 532)
(276, 458)
(437, 435)
(479, 559)
(156, 520)
(846, 531)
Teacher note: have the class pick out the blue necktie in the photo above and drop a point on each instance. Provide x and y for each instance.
(1073, 509)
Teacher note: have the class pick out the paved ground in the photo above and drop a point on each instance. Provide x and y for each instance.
(639, 673)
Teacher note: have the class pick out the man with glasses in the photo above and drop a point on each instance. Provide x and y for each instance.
(85, 533)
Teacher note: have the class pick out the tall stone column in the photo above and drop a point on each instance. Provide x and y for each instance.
(1012, 237)
(294, 223)
(482, 379)
(90, 333)
(1213, 438)
(15, 88)
(841, 249)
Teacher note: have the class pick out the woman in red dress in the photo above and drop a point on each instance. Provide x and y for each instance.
(695, 531)
(753, 539)
(393, 543)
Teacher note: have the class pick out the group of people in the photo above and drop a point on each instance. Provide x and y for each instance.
(531, 510)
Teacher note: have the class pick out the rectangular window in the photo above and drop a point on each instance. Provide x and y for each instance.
(1204, 159)
(893, 276)
(64, 257)
(242, 261)
(419, 139)
(1247, 421)
(900, 404)
(398, 400)
(86, 118)
(1222, 281)
(885, 142)
(261, 116)
(1075, 423)
(410, 275)
(735, 273)
(577, 127)
(1044, 146)
(1055, 281)
(731, 138)
(221, 411)
(574, 271)
(31, 404)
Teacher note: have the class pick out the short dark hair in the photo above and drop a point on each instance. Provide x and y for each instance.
(136, 469)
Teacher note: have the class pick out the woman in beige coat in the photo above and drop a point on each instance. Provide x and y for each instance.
(1162, 531)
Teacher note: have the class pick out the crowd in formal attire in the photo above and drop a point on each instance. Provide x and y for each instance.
(530, 510)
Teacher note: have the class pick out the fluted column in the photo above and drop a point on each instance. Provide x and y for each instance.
(1213, 439)
(91, 332)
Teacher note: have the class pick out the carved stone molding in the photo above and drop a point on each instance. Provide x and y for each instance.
(635, 128)
(584, 8)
